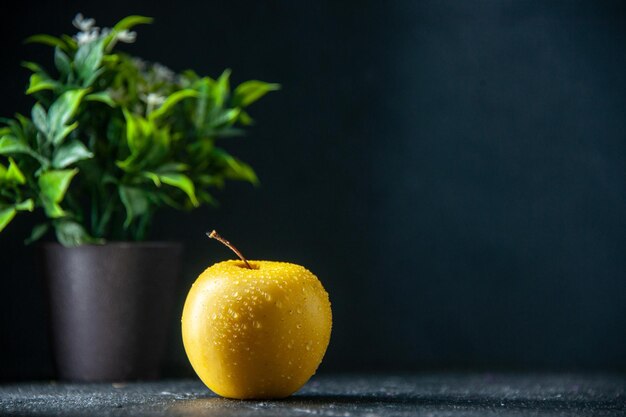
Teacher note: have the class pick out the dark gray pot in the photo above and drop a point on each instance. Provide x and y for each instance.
(110, 308)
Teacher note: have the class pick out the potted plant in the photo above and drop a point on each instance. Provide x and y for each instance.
(111, 139)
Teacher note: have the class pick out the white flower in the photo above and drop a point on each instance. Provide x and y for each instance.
(139, 63)
(161, 72)
(126, 36)
(182, 81)
(85, 37)
(153, 99)
(82, 24)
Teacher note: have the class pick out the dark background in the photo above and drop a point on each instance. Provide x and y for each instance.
(454, 172)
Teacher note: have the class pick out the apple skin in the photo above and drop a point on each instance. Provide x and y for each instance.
(256, 333)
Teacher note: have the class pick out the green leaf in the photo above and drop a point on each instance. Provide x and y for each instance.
(182, 182)
(69, 153)
(102, 97)
(6, 215)
(190, 75)
(205, 197)
(173, 166)
(152, 176)
(40, 83)
(33, 66)
(135, 201)
(47, 40)
(124, 24)
(62, 62)
(40, 118)
(203, 86)
(149, 145)
(93, 77)
(71, 42)
(37, 233)
(171, 101)
(222, 88)
(70, 233)
(227, 117)
(58, 138)
(166, 199)
(111, 59)
(25, 122)
(61, 111)
(10, 144)
(53, 185)
(210, 180)
(250, 91)
(159, 150)
(236, 169)
(14, 174)
(53, 210)
(88, 59)
(245, 119)
(26, 205)
(137, 131)
(131, 21)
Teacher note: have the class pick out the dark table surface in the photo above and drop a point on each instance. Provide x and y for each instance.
(432, 395)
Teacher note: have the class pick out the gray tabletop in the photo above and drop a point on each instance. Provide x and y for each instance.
(418, 395)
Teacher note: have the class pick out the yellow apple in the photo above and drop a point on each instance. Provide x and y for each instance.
(256, 329)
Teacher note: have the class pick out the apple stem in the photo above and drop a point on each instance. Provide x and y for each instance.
(213, 235)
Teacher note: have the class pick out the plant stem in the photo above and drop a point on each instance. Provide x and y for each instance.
(94, 212)
(142, 227)
(105, 218)
(213, 235)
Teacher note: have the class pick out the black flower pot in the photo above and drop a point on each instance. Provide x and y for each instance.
(110, 308)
